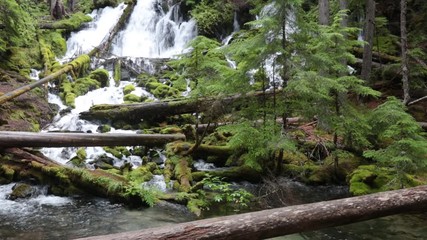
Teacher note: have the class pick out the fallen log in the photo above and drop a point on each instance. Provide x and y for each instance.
(288, 220)
(30, 139)
(135, 113)
(76, 63)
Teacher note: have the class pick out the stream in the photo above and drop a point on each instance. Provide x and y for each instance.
(152, 32)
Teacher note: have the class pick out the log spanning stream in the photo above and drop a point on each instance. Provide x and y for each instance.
(151, 32)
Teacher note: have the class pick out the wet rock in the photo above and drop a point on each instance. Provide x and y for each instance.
(21, 190)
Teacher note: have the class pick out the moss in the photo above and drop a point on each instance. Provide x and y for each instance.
(118, 152)
(368, 179)
(74, 22)
(100, 75)
(171, 130)
(7, 172)
(128, 89)
(142, 174)
(83, 85)
(117, 72)
(131, 98)
(160, 90)
(212, 17)
(70, 99)
(104, 3)
(55, 42)
(104, 128)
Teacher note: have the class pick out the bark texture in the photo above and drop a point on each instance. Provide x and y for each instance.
(134, 113)
(30, 139)
(369, 40)
(404, 40)
(288, 220)
(324, 12)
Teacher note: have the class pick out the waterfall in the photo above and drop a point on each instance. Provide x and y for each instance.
(153, 33)
(150, 33)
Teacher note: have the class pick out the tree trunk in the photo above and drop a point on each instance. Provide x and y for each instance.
(30, 139)
(134, 113)
(74, 65)
(369, 39)
(57, 9)
(288, 220)
(404, 40)
(324, 12)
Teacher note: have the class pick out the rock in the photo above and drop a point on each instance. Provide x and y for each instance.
(21, 190)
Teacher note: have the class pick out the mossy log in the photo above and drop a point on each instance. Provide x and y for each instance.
(242, 173)
(72, 66)
(135, 113)
(287, 220)
(57, 139)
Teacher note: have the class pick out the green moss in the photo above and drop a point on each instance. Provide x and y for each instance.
(117, 72)
(128, 89)
(104, 3)
(100, 75)
(118, 152)
(7, 172)
(131, 98)
(171, 130)
(83, 85)
(70, 99)
(74, 22)
(212, 17)
(104, 128)
(160, 90)
(368, 179)
(142, 174)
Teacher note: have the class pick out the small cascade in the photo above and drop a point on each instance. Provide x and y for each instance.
(86, 39)
(153, 33)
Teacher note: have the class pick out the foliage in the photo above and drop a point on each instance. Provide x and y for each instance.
(258, 143)
(225, 193)
(215, 190)
(147, 195)
(212, 17)
(206, 66)
(321, 85)
(402, 144)
(19, 27)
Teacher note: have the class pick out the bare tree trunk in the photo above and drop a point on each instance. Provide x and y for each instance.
(324, 12)
(344, 6)
(404, 40)
(281, 221)
(57, 9)
(369, 39)
(57, 139)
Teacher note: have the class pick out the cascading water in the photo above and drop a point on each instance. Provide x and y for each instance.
(150, 33)
(153, 33)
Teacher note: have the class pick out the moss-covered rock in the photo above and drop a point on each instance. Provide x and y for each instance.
(128, 89)
(21, 190)
(132, 98)
(104, 128)
(368, 179)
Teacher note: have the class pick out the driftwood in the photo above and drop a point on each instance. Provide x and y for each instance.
(288, 220)
(30, 139)
(135, 113)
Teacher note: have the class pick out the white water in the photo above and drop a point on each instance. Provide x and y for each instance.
(85, 40)
(150, 33)
(153, 33)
